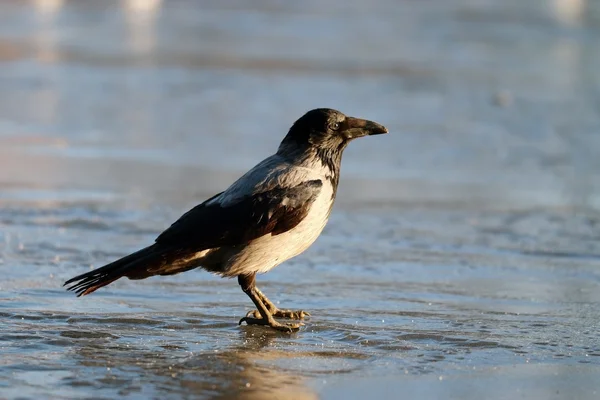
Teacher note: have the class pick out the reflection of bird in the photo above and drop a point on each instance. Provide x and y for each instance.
(271, 214)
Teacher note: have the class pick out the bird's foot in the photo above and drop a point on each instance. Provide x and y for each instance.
(277, 313)
(271, 323)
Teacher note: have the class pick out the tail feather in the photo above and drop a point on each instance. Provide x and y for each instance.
(89, 287)
(128, 265)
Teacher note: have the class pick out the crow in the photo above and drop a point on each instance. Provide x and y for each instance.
(272, 213)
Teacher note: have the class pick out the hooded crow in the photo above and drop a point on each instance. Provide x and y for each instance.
(271, 214)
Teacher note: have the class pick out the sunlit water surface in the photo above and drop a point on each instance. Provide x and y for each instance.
(462, 259)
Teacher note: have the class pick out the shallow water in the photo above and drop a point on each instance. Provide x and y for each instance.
(462, 259)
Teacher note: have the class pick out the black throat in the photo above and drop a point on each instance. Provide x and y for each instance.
(331, 159)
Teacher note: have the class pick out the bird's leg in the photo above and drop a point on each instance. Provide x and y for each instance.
(248, 284)
(276, 312)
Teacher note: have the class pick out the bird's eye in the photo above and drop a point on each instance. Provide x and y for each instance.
(335, 126)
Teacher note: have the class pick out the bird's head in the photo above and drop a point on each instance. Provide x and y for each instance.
(327, 130)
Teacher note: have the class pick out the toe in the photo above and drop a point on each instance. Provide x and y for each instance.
(300, 314)
(273, 324)
(253, 314)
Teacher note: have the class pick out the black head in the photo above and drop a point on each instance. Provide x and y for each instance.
(327, 129)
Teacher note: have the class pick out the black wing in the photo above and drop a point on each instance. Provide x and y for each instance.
(274, 211)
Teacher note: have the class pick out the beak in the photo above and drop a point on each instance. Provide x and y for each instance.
(357, 127)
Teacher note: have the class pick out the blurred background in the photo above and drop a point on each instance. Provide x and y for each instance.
(465, 244)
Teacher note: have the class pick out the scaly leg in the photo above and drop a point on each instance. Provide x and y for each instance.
(248, 284)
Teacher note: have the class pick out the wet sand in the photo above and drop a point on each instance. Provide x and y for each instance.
(462, 259)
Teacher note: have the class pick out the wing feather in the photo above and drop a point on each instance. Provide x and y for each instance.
(211, 225)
